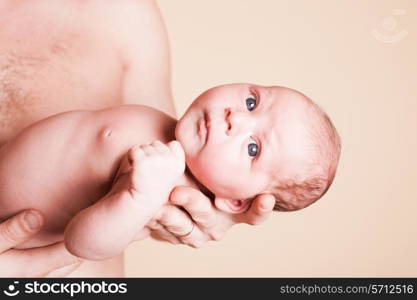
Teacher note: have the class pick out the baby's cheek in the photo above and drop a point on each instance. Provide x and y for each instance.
(212, 171)
(218, 176)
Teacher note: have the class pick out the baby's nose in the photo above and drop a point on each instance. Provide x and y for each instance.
(237, 122)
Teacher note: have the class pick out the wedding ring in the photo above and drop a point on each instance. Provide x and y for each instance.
(187, 234)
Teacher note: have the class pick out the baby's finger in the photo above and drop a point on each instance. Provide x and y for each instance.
(160, 147)
(148, 149)
(134, 156)
(260, 209)
(19, 228)
(177, 149)
(196, 204)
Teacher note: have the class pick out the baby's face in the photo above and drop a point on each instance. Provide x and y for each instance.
(237, 137)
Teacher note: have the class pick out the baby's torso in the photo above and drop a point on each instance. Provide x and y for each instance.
(64, 170)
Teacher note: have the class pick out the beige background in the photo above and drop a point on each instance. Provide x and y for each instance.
(366, 223)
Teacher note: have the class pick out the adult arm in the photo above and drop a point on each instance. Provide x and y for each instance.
(52, 260)
(144, 49)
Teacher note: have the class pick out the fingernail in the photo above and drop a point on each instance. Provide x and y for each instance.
(32, 220)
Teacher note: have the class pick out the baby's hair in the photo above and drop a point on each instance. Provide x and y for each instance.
(296, 193)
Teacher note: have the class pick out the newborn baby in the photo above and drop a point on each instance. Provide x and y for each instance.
(99, 177)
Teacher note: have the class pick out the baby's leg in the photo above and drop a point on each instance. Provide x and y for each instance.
(145, 178)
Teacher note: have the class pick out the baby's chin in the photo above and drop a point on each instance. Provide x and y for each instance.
(197, 182)
(187, 133)
(177, 130)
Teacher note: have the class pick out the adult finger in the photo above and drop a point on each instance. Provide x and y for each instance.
(164, 235)
(41, 261)
(195, 238)
(19, 229)
(259, 211)
(179, 224)
(174, 220)
(160, 233)
(196, 204)
(64, 271)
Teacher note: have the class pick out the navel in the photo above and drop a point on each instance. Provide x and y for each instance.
(106, 133)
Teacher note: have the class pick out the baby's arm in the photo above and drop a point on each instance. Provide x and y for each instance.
(143, 183)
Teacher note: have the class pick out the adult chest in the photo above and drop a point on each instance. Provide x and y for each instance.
(48, 66)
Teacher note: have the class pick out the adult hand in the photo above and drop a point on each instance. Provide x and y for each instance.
(53, 260)
(199, 221)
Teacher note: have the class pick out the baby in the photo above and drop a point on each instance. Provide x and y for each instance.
(99, 177)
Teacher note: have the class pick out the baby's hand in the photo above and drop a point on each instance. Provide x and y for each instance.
(143, 183)
(155, 169)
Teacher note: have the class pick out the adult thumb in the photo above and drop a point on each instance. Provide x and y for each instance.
(19, 228)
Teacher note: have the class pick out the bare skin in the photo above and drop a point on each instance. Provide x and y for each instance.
(100, 176)
(51, 261)
(68, 55)
(63, 55)
(69, 161)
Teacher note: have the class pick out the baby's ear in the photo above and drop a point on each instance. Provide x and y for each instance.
(232, 206)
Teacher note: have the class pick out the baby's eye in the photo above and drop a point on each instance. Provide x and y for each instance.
(253, 148)
(251, 102)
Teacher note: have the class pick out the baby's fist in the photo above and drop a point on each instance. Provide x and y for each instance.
(156, 168)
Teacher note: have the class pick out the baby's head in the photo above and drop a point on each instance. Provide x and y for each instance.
(242, 140)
